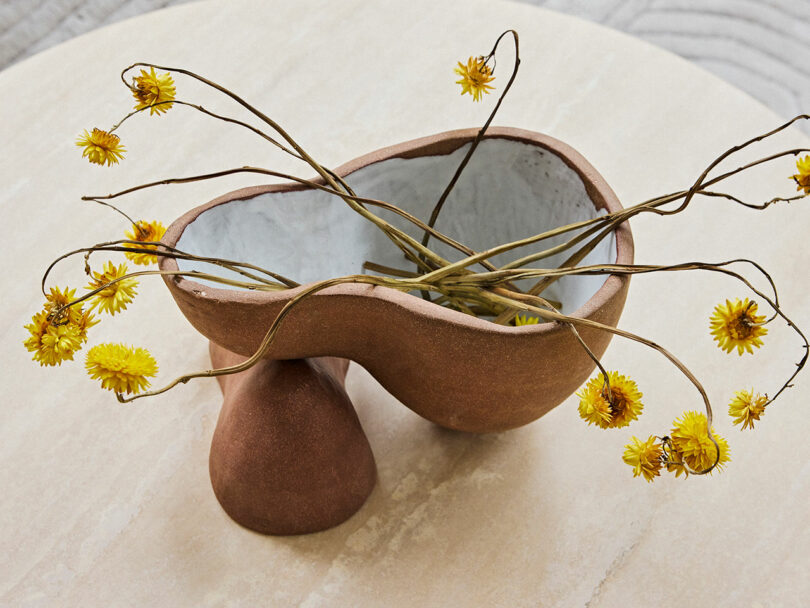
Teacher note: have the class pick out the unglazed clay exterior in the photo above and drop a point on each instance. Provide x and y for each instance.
(288, 454)
(461, 372)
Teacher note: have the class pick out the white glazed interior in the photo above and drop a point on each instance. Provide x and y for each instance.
(509, 190)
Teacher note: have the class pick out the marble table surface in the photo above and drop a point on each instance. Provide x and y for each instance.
(106, 504)
(759, 46)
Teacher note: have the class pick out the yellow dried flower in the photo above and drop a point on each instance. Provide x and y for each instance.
(121, 368)
(475, 77)
(101, 147)
(75, 315)
(86, 321)
(595, 405)
(52, 339)
(150, 89)
(526, 320)
(50, 343)
(644, 457)
(736, 324)
(691, 442)
(145, 232)
(745, 408)
(802, 178)
(115, 297)
(674, 460)
(57, 298)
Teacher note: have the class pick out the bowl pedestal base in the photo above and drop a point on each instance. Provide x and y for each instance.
(288, 454)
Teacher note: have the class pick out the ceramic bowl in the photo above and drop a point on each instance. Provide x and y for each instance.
(459, 371)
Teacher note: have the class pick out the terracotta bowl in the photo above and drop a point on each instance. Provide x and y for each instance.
(288, 454)
(458, 371)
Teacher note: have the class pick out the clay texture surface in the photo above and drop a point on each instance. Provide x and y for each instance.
(458, 371)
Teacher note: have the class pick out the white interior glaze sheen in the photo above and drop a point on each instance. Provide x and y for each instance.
(509, 190)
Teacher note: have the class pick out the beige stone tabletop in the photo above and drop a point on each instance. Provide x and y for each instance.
(105, 504)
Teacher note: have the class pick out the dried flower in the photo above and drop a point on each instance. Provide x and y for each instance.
(675, 463)
(58, 298)
(613, 410)
(691, 443)
(802, 178)
(75, 315)
(526, 320)
(474, 77)
(121, 368)
(644, 457)
(101, 147)
(86, 321)
(53, 338)
(145, 232)
(737, 325)
(51, 343)
(153, 91)
(115, 297)
(745, 408)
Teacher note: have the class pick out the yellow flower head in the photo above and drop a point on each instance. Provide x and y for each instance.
(150, 89)
(51, 343)
(86, 321)
(144, 232)
(675, 463)
(101, 147)
(613, 410)
(121, 368)
(475, 77)
(802, 178)
(745, 408)
(691, 443)
(644, 457)
(115, 297)
(736, 324)
(526, 320)
(75, 315)
(57, 298)
(54, 339)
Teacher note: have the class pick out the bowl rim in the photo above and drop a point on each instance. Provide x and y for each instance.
(600, 193)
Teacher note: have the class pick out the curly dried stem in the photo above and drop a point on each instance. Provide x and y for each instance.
(399, 284)
(521, 300)
(172, 253)
(309, 183)
(434, 215)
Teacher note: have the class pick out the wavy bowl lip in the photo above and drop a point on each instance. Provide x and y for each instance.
(439, 144)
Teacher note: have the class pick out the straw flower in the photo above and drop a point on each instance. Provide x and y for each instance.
(736, 324)
(121, 368)
(58, 298)
(101, 147)
(74, 315)
(52, 338)
(644, 457)
(150, 89)
(474, 77)
(802, 178)
(526, 320)
(115, 297)
(675, 463)
(745, 408)
(51, 343)
(690, 440)
(614, 410)
(145, 232)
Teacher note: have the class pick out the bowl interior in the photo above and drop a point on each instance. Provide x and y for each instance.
(509, 190)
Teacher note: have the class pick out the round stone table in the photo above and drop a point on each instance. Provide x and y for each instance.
(106, 504)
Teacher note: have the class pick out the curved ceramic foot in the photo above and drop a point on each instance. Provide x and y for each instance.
(289, 455)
